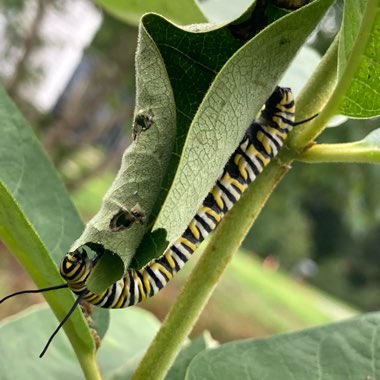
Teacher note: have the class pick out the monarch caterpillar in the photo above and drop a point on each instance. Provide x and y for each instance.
(261, 142)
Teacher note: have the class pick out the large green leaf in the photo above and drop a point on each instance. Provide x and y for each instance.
(346, 350)
(37, 217)
(129, 334)
(27, 176)
(183, 12)
(359, 58)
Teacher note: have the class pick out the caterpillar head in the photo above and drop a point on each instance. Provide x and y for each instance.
(281, 100)
(75, 269)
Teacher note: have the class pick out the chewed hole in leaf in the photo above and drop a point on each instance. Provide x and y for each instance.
(124, 218)
(143, 121)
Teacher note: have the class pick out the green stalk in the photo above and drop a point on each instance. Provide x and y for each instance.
(316, 97)
(348, 152)
(88, 363)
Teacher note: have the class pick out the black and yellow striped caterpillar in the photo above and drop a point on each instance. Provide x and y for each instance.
(261, 142)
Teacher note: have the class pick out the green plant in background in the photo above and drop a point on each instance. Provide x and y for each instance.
(205, 74)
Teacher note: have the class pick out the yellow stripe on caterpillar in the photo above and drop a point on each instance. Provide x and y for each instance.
(217, 194)
(253, 153)
(265, 142)
(170, 259)
(235, 182)
(212, 213)
(275, 132)
(182, 240)
(194, 229)
(156, 267)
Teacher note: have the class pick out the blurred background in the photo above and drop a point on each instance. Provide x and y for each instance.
(312, 256)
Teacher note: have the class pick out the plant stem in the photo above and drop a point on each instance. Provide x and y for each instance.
(316, 96)
(349, 152)
(223, 243)
(89, 366)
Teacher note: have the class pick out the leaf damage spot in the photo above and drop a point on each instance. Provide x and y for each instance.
(124, 218)
(143, 121)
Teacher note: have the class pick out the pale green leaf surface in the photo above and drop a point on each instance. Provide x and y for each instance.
(129, 334)
(31, 180)
(359, 58)
(22, 338)
(36, 215)
(346, 350)
(130, 11)
(238, 92)
(187, 354)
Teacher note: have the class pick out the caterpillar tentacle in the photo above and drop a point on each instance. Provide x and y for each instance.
(261, 142)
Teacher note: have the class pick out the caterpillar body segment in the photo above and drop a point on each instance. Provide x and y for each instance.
(261, 142)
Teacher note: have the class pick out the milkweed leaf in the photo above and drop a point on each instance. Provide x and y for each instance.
(37, 217)
(130, 332)
(345, 350)
(187, 354)
(359, 58)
